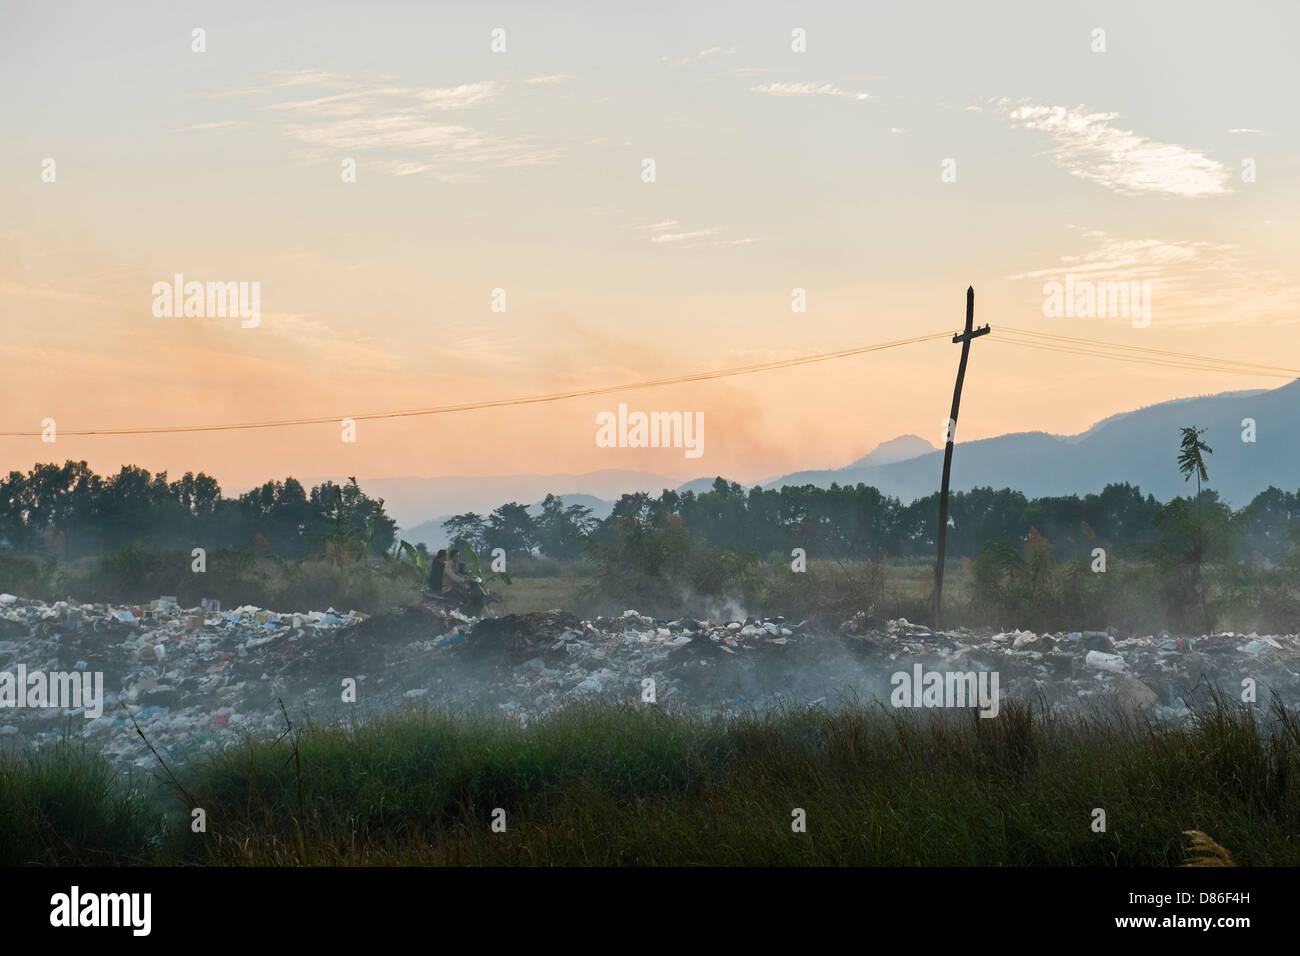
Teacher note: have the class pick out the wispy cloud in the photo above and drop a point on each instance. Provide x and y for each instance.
(681, 236)
(461, 97)
(394, 128)
(549, 79)
(308, 78)
(704, 54)
(1088, 146)
(689, 238)
(1257, 132)
(483, 350)
(806, 88)
(216, 127)
(1191, 282)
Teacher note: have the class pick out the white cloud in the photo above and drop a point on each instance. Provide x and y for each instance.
(396, 129)
(806, 88)
(216, 127)
(549, 78)
(1191, 282)
(1258, 132)
(307, 78)
(460, 97)
(703, 54)
(681, 236)
(408, 143)
(485, 351)
(1087, 146)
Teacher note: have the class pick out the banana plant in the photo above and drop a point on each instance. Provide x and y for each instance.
(413, 556)
(472, 565)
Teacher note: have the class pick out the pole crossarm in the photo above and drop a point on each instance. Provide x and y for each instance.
(970, 334)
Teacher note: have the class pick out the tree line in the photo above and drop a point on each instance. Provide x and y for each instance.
(858, 521)
(70, 511)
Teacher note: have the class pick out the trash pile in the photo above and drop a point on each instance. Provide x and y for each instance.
(1101, 672)
(193, 679)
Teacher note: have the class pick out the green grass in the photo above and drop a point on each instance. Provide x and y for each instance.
(621, 786)
(65, 806)
(523, 594)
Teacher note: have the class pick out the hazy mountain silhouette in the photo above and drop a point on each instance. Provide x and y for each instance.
(902, 448)
(1139, 447)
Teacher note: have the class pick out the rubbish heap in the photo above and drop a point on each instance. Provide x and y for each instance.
(194, 679)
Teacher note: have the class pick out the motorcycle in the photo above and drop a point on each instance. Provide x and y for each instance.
(475, 601)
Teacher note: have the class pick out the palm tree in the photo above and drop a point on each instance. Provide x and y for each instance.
(1191, 461)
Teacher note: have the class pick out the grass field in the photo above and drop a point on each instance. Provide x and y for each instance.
(539, 594)
(836, 586)
(593, 785)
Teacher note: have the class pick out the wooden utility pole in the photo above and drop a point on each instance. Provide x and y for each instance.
(964, 338)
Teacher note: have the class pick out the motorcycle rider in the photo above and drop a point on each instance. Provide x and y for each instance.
(453, 575)
(437, 570)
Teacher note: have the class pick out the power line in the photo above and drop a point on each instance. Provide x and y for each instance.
(498, 403)
(1215, 360)
(1192, 362)
(1138, 361)
(1024, 338)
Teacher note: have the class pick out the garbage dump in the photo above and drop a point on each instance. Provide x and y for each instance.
(194, 679)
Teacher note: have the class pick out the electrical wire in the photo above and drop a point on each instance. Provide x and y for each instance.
(496, 403)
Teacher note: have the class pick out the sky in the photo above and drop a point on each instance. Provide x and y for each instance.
(880, 158)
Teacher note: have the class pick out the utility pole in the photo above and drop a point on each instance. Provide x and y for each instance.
(964, 338)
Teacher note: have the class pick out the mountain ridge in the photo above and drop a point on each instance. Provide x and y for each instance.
(1137, 446)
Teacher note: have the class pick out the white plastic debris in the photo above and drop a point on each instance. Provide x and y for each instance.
(1112, 663)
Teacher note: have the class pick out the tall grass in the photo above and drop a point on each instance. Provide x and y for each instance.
(595, 785)
(66, 806)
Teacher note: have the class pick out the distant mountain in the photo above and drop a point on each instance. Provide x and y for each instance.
(901, 448)
(701, 485)
(896, 449)
(1139, 447)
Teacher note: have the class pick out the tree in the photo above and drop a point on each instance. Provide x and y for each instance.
(562, 532)
(352, 525)
(511, 527)
(1188, 530)
(466, 529)
(1191, 460)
